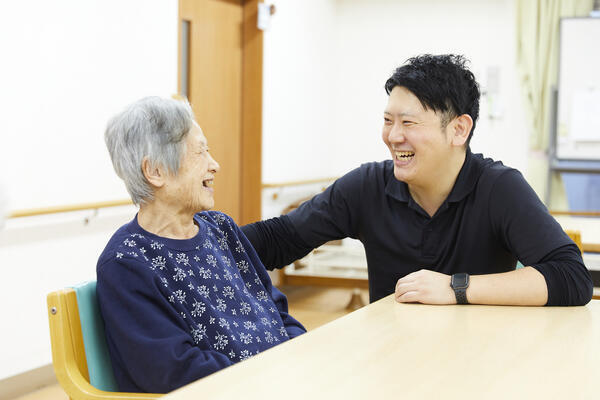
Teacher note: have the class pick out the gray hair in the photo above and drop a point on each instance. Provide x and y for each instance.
(153, 127)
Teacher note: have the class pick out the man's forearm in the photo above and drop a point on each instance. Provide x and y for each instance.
(276, 242)
(522, 287)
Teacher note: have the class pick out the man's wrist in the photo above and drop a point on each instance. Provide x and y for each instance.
(459, 283)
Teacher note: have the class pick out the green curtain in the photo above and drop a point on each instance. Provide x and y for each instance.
(537, 55)
(537, 30)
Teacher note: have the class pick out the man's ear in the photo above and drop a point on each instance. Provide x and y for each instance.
(155, 174)
(461, 129)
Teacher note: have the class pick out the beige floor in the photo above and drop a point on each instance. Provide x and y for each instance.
(310, 305)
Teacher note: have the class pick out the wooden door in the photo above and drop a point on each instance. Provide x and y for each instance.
(220, 72)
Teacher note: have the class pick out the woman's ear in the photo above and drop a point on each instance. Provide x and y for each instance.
(155, 175)
(462, 126)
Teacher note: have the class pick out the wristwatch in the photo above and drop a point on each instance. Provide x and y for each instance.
(460, 283)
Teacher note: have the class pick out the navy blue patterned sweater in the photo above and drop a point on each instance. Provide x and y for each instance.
(178, 310)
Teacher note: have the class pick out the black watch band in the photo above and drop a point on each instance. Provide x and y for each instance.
(459, 283)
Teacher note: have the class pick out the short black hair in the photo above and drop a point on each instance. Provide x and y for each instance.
(442, 83)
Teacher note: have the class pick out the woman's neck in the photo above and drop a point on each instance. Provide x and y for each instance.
(167, 222)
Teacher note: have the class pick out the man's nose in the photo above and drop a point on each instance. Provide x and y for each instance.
(396, 133)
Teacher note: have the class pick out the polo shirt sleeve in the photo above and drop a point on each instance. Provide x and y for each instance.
(146, 335)
(333, 214)
(292, 326)
(522, 222)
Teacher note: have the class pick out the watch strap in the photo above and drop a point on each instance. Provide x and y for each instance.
(461, 296)
(459, 283)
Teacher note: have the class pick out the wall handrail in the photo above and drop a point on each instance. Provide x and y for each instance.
(297, 183)
(576, 213)
(124, 202)
(30, 212)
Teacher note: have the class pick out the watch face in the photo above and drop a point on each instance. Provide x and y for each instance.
(460, 281)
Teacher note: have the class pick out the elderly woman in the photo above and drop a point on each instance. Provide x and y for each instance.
(181, 290)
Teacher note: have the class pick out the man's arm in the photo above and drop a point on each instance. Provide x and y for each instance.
(276, 241)
(331, 215)
(522, 287)
(555, 274)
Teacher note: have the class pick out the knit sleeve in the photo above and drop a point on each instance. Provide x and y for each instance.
(148, 339)
(292, 326)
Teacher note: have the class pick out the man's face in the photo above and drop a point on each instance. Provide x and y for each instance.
(418, 144)
(192, 186)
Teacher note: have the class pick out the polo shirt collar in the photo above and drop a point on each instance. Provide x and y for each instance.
(465, 182)
(467, 178)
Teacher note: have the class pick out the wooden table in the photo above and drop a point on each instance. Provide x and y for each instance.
(413, 351)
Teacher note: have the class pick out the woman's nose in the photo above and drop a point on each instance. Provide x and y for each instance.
(214, 165)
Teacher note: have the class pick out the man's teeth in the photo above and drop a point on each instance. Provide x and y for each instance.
(404, 154)
(208, 183)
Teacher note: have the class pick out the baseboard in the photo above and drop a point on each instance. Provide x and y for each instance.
(27, 382)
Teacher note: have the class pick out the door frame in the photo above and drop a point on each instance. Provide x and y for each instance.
(251, 118)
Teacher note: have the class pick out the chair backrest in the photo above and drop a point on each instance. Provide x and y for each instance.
(74, 320)
(94, 341)
(575, 237)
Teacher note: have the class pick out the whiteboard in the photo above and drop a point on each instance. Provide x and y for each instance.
(68, 66)
(578, 103)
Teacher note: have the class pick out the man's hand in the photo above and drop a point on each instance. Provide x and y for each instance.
(425, 286)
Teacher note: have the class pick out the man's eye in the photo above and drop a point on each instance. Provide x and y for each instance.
(387, 121)
(408, 122)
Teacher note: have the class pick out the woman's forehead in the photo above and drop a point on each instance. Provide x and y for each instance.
(197, 135)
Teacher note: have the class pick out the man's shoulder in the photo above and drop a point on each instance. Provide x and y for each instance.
(491, 170)
(377, 167)
(367, 179)
(500, 183)
(370, 171)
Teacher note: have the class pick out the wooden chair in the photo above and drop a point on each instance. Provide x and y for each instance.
(576, 237)
(79, 351)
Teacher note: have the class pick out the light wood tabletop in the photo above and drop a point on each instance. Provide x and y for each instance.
(414, 351)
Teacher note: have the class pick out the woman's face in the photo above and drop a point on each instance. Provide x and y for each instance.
(191, 189)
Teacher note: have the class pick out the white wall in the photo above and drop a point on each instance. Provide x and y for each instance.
(298, 92)
(39, 255)
(326, 63)
(67, 65)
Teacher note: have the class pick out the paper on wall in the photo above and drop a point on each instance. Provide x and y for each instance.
(585, 115)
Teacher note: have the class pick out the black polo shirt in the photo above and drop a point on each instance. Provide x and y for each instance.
(491, 219)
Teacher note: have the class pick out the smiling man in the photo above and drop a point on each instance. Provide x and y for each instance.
(440, 225)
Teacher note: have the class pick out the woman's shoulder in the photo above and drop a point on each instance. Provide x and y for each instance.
(217, 219)
(127, 243)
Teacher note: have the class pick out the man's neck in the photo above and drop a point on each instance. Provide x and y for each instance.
(431, 195)
(162, 220)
